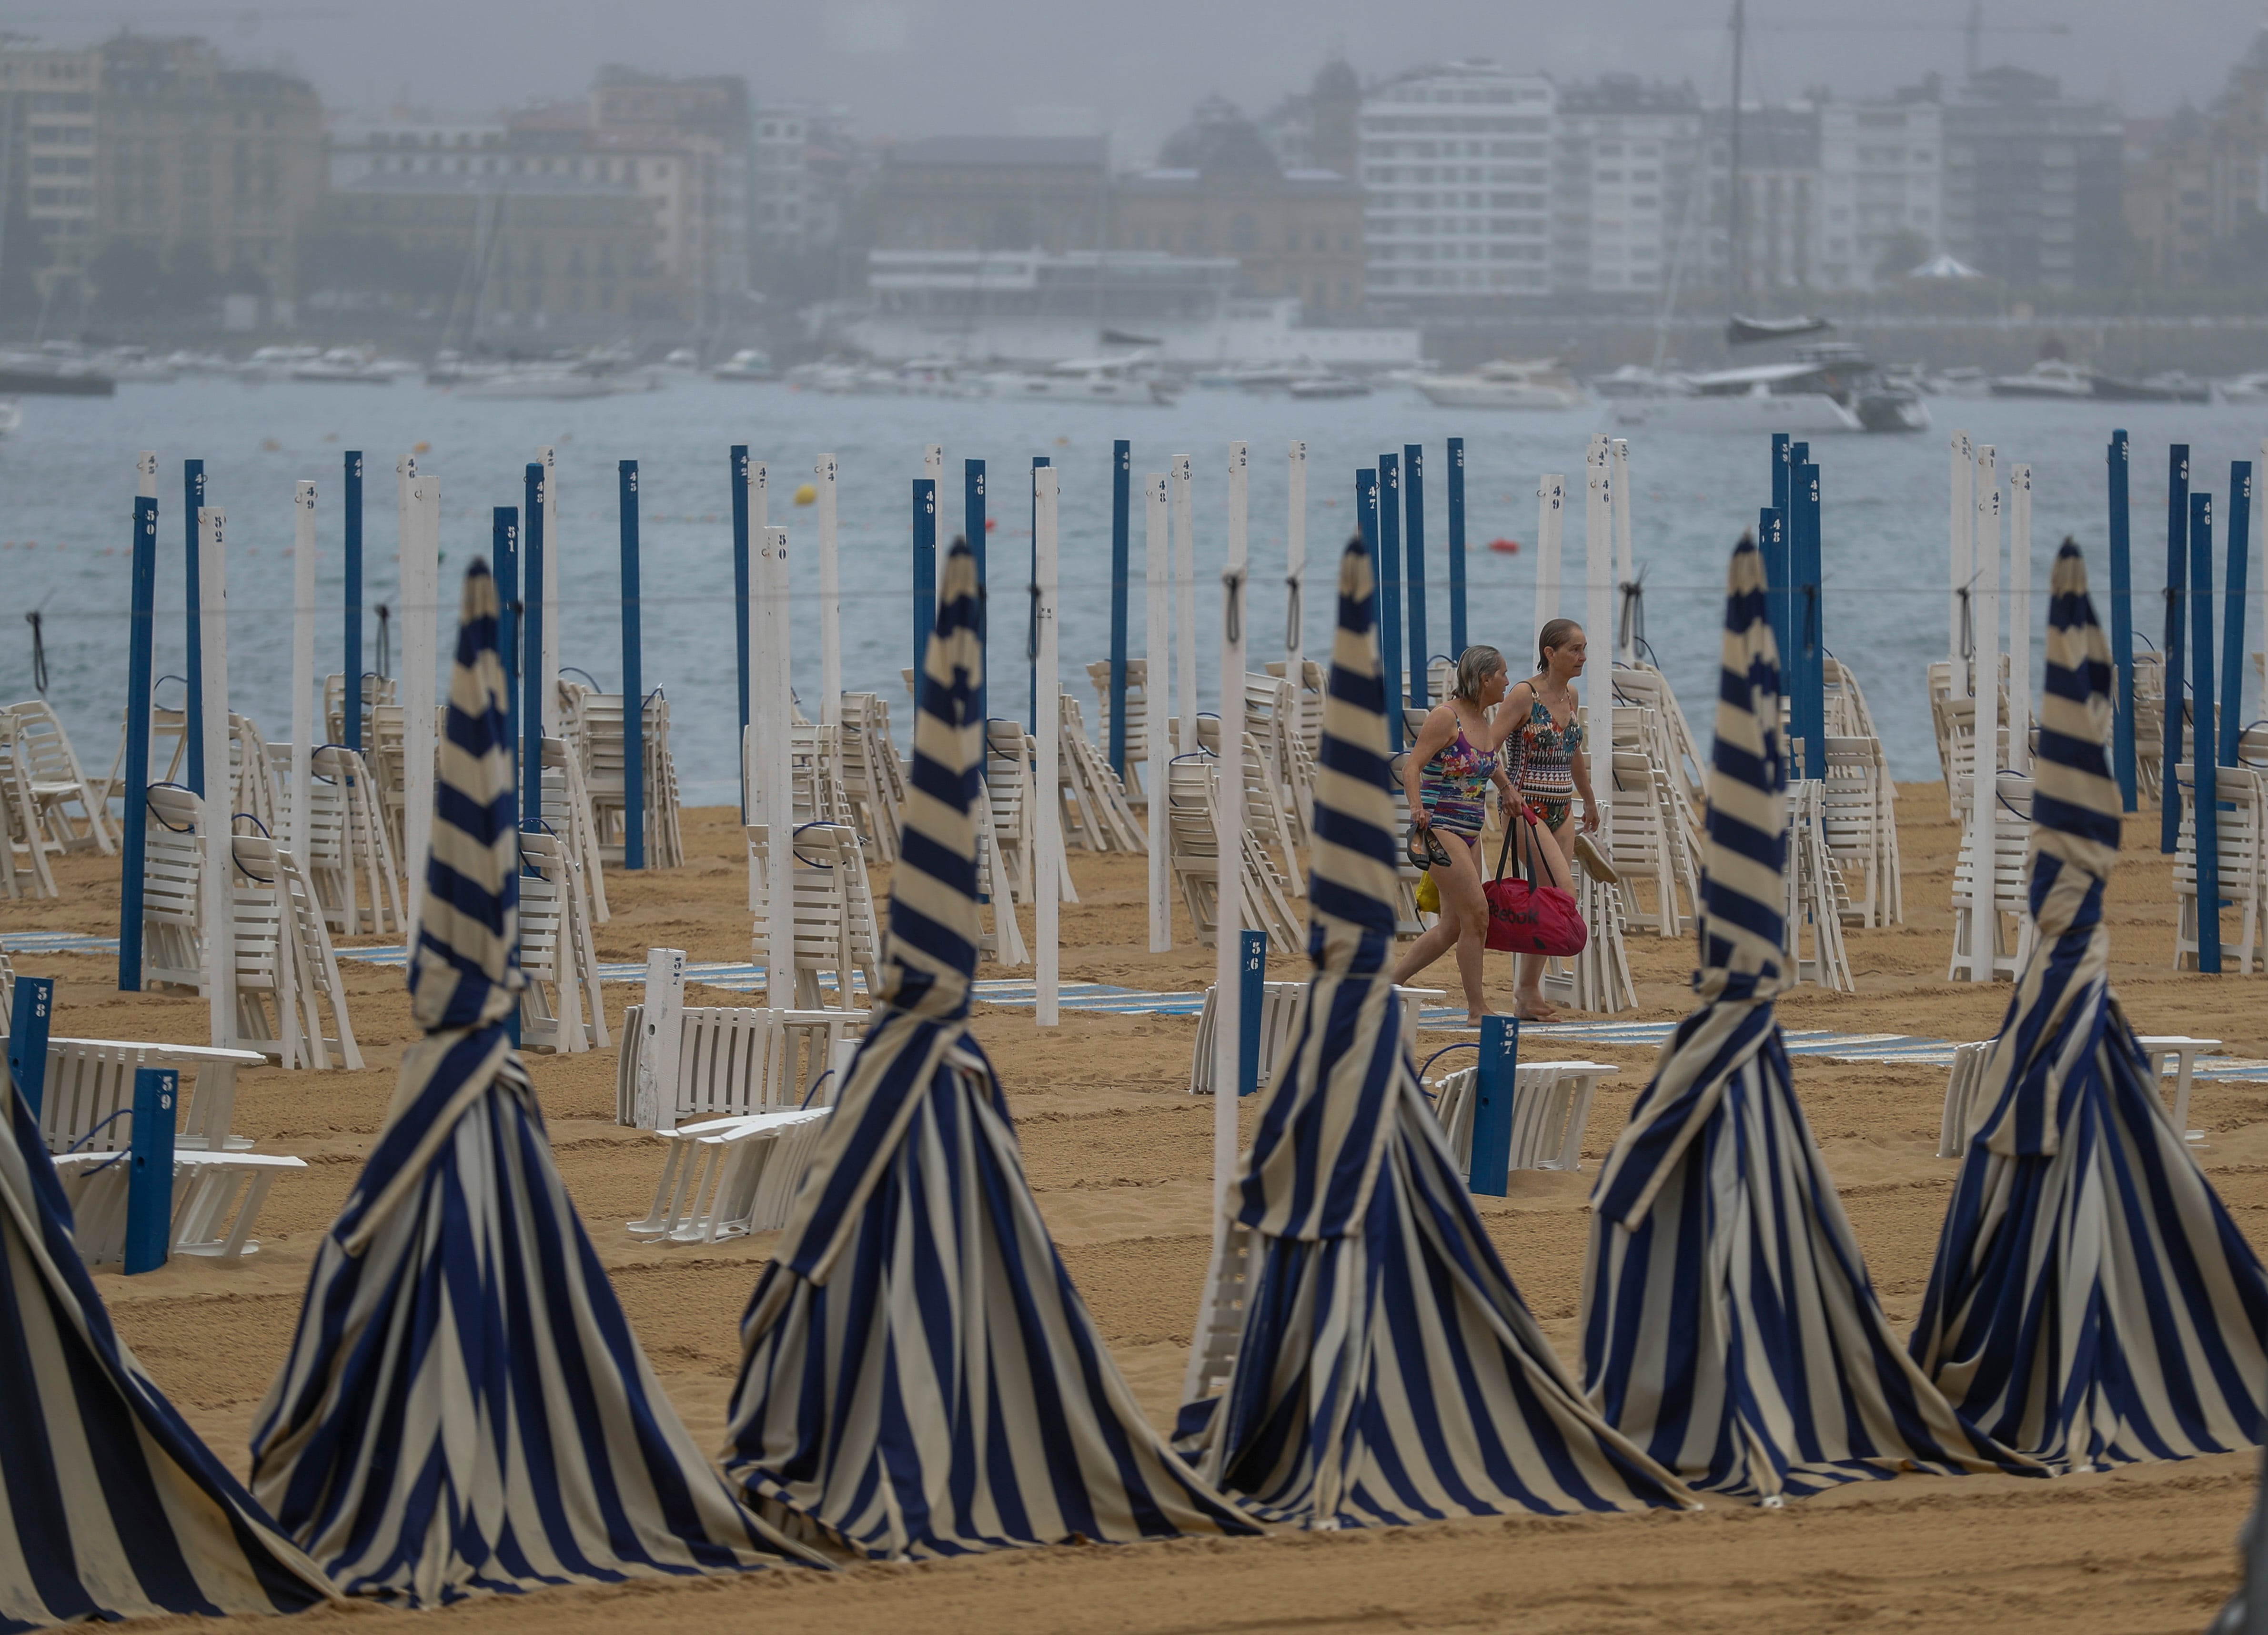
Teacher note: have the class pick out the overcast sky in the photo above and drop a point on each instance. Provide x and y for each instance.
(917, 67)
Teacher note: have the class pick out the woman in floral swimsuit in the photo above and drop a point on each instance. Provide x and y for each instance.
(1446, 778)
(1552, 772)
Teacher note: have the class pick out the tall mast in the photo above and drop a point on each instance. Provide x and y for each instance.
(1739, 265)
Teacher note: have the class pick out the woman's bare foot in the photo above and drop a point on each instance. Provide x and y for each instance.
(1533, 1010)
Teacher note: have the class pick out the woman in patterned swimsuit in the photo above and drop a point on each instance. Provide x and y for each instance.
(1552, 772)
(1445, 776)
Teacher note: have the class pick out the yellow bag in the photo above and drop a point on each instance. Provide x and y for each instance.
(1429, 894)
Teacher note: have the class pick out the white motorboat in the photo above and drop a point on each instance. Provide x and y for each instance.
(1536, 383)
(358, 366)
(1327, 384)
(750, 362)
(1633, 380)
(541, 383)
(1131, 379)
(2246, 388)
(2050, 378)
(1832, 388)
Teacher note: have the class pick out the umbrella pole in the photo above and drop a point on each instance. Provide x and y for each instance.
(774, 790)
(1413, 540)
(1983, 800)
(193, 725)
(212, 651)
(1047, 876)
(350, 653)
(133, 835)
(2239, 551)
(420, 613)
(1031, 648)
(1598, 617)
(973, 525)
(2204, 778)
(1122, 498)
(924, 574)
(1156, 647)
(1295, 573)
(830, 597)
(2122, 621)
(548, 590)
(740, 461)
(1389, 591)
(1185, 604)
(303, 666)
(1228, 842)
(2020, 619)
(626, 508)
(2177, 517)
(1457, 625)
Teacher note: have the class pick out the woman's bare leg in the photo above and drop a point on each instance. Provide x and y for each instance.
(1539, 848)
(1461, 897)
(1437, 939)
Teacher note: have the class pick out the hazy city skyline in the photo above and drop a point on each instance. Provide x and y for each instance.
(921, 67)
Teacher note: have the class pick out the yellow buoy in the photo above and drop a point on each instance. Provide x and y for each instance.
(806, 495)
(423, 447)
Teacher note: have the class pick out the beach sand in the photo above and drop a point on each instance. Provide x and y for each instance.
(1120, 1156)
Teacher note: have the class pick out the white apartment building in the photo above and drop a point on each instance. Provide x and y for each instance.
(1623, 204)
(47, 99)
(1456, 163)
(1880, 169)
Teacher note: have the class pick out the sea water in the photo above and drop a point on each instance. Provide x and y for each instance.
(67, 482)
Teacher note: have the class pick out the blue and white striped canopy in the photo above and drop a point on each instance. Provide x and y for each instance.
(110, 1506)
(1388, 1371)
(465, 1410)
(2092, 1301)
(1728, 1324)
(918, 1376)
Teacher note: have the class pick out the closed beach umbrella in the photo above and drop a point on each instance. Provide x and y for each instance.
(1728, 1324)
(110, 1506)
(1387, 1371)
(917, 1375)
(2092, 1301)
(465, 1411)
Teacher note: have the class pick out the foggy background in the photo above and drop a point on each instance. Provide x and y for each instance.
(925, 67)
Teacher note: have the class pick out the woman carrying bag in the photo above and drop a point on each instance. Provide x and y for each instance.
(1445, 776)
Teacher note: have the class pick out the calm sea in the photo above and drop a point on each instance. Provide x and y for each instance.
(67, 481)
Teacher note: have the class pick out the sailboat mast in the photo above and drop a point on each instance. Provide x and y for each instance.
(1739, 262)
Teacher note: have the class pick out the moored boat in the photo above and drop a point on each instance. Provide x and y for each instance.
(2050, 378)
(1508, 383)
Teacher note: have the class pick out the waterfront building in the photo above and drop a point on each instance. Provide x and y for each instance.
(1623, 195)
(2032, 183)
(994, 193)
(1880, 213)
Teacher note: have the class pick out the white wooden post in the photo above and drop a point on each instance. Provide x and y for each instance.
(1185, 602)
(554, 547)
(1984, 619)
(1295, 574)
(2019, 618)
(1239, 551)
(1625, 562)
(1599, 617)
(146, 474)
(303, 666)
(659, 1051)
(1228, 913)
(1962, 547)
(773, 783)
(218, 857)
(830, 601)
(1550, 518)
(1047, 867)
(1156, 648)
(760, 636)
(421, 575)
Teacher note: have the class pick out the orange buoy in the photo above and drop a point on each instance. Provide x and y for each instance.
(1506, 547)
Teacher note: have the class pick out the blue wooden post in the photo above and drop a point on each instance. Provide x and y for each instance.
(1413, 540)
(1806, 658)
(351, 652)
(141, 634)
(193, 495)
(1122, 521)
(1775, 546)
(2177, 519)
(503, 545)
(1389, 590)
(530, 715)
(28, 1038)
(2205, 781)
(741, 595)
(1366, 521)
(1032, 603)
(1252, 995)
(1457, 638)
(2122, 624)
(633, 674)
(1491, 1171)
(2239, 549)
(972, 520)
(1771, 543)
(924, 571)
(149, 1173)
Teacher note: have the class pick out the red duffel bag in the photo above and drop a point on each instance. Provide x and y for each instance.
(1526, 917)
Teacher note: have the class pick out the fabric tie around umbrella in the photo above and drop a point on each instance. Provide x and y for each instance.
(918, 1376)
(465, 1411)
(1388, 1371)
(2092, 1301)
(1728, 1324)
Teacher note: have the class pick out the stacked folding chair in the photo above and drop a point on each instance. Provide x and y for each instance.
(2149, 725)
(43, 756)
(1598, 979)
(2011, 921)
(1307, 703)
(2241, 822)
(1645, 830)
(351, 858)
(567, 814)
(1192, 832)
(1647, 688)
(1267, 822)
(872, 781)
(815, 773)
(376, 690)
(251, 774)
(560, 1008)
(173, 885)
(1137, 721)
(1816, 902)
(284, 951)
(831, 905)
(1271, 720)
(20, 822)
(593, 723)
(1096, 814)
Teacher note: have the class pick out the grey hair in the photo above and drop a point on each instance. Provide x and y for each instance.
(1474, 665)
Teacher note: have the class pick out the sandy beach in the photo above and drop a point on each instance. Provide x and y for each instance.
(1119, 1157)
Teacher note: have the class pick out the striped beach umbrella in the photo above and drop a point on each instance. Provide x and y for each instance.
(2092, 1301)
(1729, 1327)
(110, 1506)
(464, 1410)
(917, 1375)
(1387, 1371)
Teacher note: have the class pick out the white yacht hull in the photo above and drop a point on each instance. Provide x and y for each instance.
(1801, 414)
